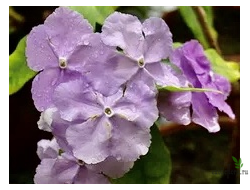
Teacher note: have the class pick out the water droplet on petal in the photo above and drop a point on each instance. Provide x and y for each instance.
(86, 43)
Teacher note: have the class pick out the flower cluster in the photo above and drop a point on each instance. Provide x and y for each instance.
(97, 92)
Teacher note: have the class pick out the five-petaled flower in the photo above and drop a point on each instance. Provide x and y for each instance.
(117, 125)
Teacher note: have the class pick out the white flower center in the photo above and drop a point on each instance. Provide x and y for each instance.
(141, 63)
(62, 63)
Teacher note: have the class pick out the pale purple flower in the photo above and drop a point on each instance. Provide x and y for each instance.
(59, 48)
(197, 70)
(145, 44)
(59, 167)
(117, 125)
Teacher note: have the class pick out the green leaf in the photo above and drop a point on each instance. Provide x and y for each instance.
(241, 165)
(235, 160)
(228, 69)
(239, 161)
(237, 167)
(19, 72)
(153, 168)
(177, 44)
(94, 14)
(192, 22)
(185, 89)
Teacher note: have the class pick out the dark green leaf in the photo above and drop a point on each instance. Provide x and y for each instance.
(94, 14)
(192, 22)
(153, 168)
(228, 69)
(19, 72)
(241, 165)
(237, 167)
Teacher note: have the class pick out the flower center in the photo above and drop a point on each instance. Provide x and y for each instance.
(80, 162)
(141, 63)
(62, 63)
(108, 111)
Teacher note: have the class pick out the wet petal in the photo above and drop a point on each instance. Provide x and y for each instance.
(90, 140)
(129, 141)
(39, 52)
(162, 74)
(158, 40)
(204, 113)
(44, 84)
(56, 171)
(218, 99)
(90, 50)
(47, 149)
(75, 100)
(65, 29)
(138, 104)
(86, 176)
(116, 69)
(175, 106)
(124, 31)
(112, 167)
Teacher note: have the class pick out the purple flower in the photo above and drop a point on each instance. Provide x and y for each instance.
(145, 44)
(197, 70)
(117, 125)
(59, 167)
(59, 48)
(175, 106)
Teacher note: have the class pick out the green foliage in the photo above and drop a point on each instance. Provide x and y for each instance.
(19, 72)
(238, 164)
(228, 69)
(192, 22)
(153, 168)
(94, 14)
(234, 159)
(185, 89)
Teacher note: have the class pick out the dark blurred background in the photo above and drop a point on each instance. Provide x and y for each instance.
(197, 156)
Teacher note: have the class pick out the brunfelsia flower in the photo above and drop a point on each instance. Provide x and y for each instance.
(58, 166)
(60, 48)
(117, 125)
(195, 66)
(145, 44)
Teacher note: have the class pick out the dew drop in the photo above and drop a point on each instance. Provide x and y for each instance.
(86, 43)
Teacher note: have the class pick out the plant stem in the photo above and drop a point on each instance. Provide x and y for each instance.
(201, 16)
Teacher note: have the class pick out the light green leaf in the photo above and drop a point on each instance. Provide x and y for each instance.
(186, 89)
(94, 14)
(241, 165)
(177, 44)
(153, 168)
(239, 161)
(192, 22)
(19, 72)
(228, 69)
